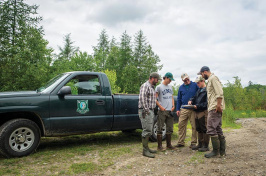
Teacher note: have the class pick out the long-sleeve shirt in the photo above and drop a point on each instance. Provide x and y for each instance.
(147, 96)
(214, 91)
(185, 92)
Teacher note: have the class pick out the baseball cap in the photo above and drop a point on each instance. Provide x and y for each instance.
(204, 68)
(169, 75)
(155, 75)
(184, 76)
(199, 78)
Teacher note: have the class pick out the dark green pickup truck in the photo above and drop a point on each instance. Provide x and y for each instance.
(71, 103)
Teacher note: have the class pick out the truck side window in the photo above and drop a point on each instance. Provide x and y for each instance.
(85, 85)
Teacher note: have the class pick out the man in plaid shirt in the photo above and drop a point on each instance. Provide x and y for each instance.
(147, 103)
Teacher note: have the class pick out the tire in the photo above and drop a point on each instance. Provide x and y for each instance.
(153, 137)
(19, 137)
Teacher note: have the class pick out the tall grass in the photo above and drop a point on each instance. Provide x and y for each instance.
(230, 115)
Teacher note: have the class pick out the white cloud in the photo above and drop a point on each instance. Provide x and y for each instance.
(228, 36)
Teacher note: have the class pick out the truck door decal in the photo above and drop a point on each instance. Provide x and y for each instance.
(83, 107)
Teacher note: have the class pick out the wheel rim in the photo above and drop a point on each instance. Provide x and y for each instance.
(21, 139)
(163, 130)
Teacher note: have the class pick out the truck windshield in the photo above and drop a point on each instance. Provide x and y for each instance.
(50, 85)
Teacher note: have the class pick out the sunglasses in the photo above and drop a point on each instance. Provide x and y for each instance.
(186, 80)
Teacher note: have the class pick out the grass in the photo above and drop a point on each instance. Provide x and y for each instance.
(197, 158)
(230, 115)
(89, 167)
(92, 153)
(74, 155)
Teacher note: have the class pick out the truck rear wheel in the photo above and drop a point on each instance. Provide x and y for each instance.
(153, 137)
(19, 137)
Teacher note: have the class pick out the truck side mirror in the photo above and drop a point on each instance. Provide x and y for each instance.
(66, 90)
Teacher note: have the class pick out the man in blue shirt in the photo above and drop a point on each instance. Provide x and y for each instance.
(185, 92)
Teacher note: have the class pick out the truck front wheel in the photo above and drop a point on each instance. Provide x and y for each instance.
(19, 137)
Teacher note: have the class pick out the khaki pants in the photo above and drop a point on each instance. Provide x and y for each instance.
(185, 115)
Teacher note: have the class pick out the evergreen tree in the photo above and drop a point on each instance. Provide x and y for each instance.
(124, 62)
(63, 60)
(24, 55)
(139, 67)
(82, 61)
(112, 60)
(101, 51)
(69, 50)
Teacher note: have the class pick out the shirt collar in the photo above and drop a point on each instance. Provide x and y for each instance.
(148, 82)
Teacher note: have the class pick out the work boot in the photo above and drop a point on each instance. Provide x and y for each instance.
(159, 140)
(168, 142)
(205, 146)
(200, 139)
(146, 151)
(215, 146)
(222, 145)
(150, 150)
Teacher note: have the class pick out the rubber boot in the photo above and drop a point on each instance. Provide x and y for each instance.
(206, 141)
(215, 146)
(159, 140)
(150, 150)
(168, 142)
(222, 145)
(200, 139)
(146, 151)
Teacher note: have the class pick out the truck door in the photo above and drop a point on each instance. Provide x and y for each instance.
(82, 111)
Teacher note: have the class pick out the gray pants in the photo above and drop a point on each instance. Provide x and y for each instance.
(168, 119)
(147, 123)
(214, 123)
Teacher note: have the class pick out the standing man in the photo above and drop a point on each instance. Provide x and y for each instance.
(147, 103)
(165, 102)
(200, 107)
(215, 109)
(185, 92)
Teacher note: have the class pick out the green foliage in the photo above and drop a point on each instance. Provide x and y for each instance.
(132, 63)
(175, 89)
(66, 60)
(111, 74)
(68, 50)
(239, 98)
(24, 56)
(101, 51)
(243, 102)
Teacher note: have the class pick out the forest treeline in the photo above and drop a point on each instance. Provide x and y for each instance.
(26, 61)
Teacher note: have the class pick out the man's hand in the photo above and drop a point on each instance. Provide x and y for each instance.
(219, 105)
(189, 103)
(145, 113)
(173, 108)
(162, 108)
(177, 113)
(218, 109)
(195, 106)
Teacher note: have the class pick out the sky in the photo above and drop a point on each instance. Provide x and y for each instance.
(229, 36)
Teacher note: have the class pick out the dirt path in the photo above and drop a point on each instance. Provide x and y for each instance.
(246, 155)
